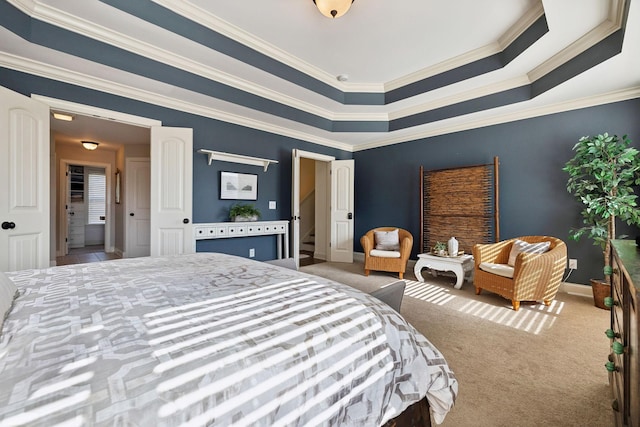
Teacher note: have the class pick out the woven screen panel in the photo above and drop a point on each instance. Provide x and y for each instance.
(459, 202)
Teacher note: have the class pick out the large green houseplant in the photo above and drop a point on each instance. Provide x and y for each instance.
(602, 175)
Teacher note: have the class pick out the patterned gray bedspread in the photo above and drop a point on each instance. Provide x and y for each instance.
(208, 339)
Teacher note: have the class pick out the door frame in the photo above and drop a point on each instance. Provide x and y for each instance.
(88, 110)
(62, 211)
(296, 155)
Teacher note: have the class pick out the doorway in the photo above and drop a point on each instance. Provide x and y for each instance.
(85, 219)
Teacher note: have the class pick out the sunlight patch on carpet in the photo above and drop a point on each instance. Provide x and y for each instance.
(429, 293)
(533, 319)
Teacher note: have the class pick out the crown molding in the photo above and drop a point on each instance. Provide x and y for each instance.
(560, 107)
(89, 110)
(525, 21)
(444, 66)
(196, 14)
(94, 31)
(599, 33)
(91, 82)
(461, 97)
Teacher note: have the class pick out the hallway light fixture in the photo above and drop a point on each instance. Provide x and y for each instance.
(63, 116)
(333, 8)
(90, 145)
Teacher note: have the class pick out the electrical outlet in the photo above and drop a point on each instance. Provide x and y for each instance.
(573, 264)
(272, 204)
(252, 253)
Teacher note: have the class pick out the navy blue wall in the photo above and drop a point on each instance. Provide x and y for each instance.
(533, 196)
(274, 184)
(532, 153)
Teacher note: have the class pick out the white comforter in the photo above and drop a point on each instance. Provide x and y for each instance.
(208, 339)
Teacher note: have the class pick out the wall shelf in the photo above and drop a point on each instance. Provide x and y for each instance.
(236, 158)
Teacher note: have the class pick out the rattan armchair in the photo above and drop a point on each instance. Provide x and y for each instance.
(536, 277)
(377, 263)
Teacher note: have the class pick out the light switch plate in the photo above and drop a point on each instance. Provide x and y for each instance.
(272, 204)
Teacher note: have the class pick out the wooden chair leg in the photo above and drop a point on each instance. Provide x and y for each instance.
(401, 274)
(366, 272)
(516, 305)
(478, 290)
(547, 302)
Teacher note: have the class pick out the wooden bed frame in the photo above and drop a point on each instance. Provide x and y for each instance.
(416, 415)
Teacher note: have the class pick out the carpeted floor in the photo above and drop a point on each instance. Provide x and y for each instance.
(539, 366)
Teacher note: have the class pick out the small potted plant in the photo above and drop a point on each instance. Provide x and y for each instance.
(440, 248)
(602, 176)
(244, 212)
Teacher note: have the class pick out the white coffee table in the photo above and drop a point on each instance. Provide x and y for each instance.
(461, 266)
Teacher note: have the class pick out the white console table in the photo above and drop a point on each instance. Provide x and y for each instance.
(225, 230)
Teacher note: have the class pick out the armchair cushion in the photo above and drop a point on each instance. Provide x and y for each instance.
(503, 270)
(387, 240)
(384, 254)
(530, 248)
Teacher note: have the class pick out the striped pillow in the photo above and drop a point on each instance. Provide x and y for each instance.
(531, 248)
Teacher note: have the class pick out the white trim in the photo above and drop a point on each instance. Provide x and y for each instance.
(576, 289)
(606, 98)
(523, 24)
(461, 97)
(55, 73)
(88, 110)
(61, 193)
(51, 15)
(599, 33)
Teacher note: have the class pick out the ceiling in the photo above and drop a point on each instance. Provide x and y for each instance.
(413, 69)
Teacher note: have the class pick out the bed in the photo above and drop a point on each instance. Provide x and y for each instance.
(207, 339)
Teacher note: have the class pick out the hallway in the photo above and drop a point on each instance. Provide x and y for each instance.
(84, 255)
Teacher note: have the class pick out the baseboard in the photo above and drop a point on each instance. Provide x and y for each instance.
(576, 289)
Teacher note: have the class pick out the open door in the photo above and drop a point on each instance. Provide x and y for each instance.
(342, 201)
(24, 182)
(171, 191)
(137, 207)
(295, 195)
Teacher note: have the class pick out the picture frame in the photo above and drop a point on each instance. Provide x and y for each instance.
(238, 186)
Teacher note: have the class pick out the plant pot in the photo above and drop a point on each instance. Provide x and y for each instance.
(245, 218)
(601, 290)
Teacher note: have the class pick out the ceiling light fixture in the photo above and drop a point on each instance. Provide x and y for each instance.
(90, 145)
(63, 116)
(333, 8)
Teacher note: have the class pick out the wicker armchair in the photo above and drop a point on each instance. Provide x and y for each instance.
(379, 263)
(535, 276)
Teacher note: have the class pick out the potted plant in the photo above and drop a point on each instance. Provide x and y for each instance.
(602, 175)
(244, 212)
(440, 248)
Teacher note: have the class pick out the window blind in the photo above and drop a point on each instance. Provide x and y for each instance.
(97, 189)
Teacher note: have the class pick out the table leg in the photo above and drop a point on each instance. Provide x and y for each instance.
(459, 272)
(417, 270)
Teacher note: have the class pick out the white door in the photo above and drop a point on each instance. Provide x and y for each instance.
(138, 207)
(171, 191)
(295, 206)
(24, 182)
(342, 184)
(295, 195)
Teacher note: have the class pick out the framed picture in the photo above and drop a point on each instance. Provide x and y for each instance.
(238, 186)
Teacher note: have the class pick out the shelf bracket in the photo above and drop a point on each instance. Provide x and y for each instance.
(236, 158)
